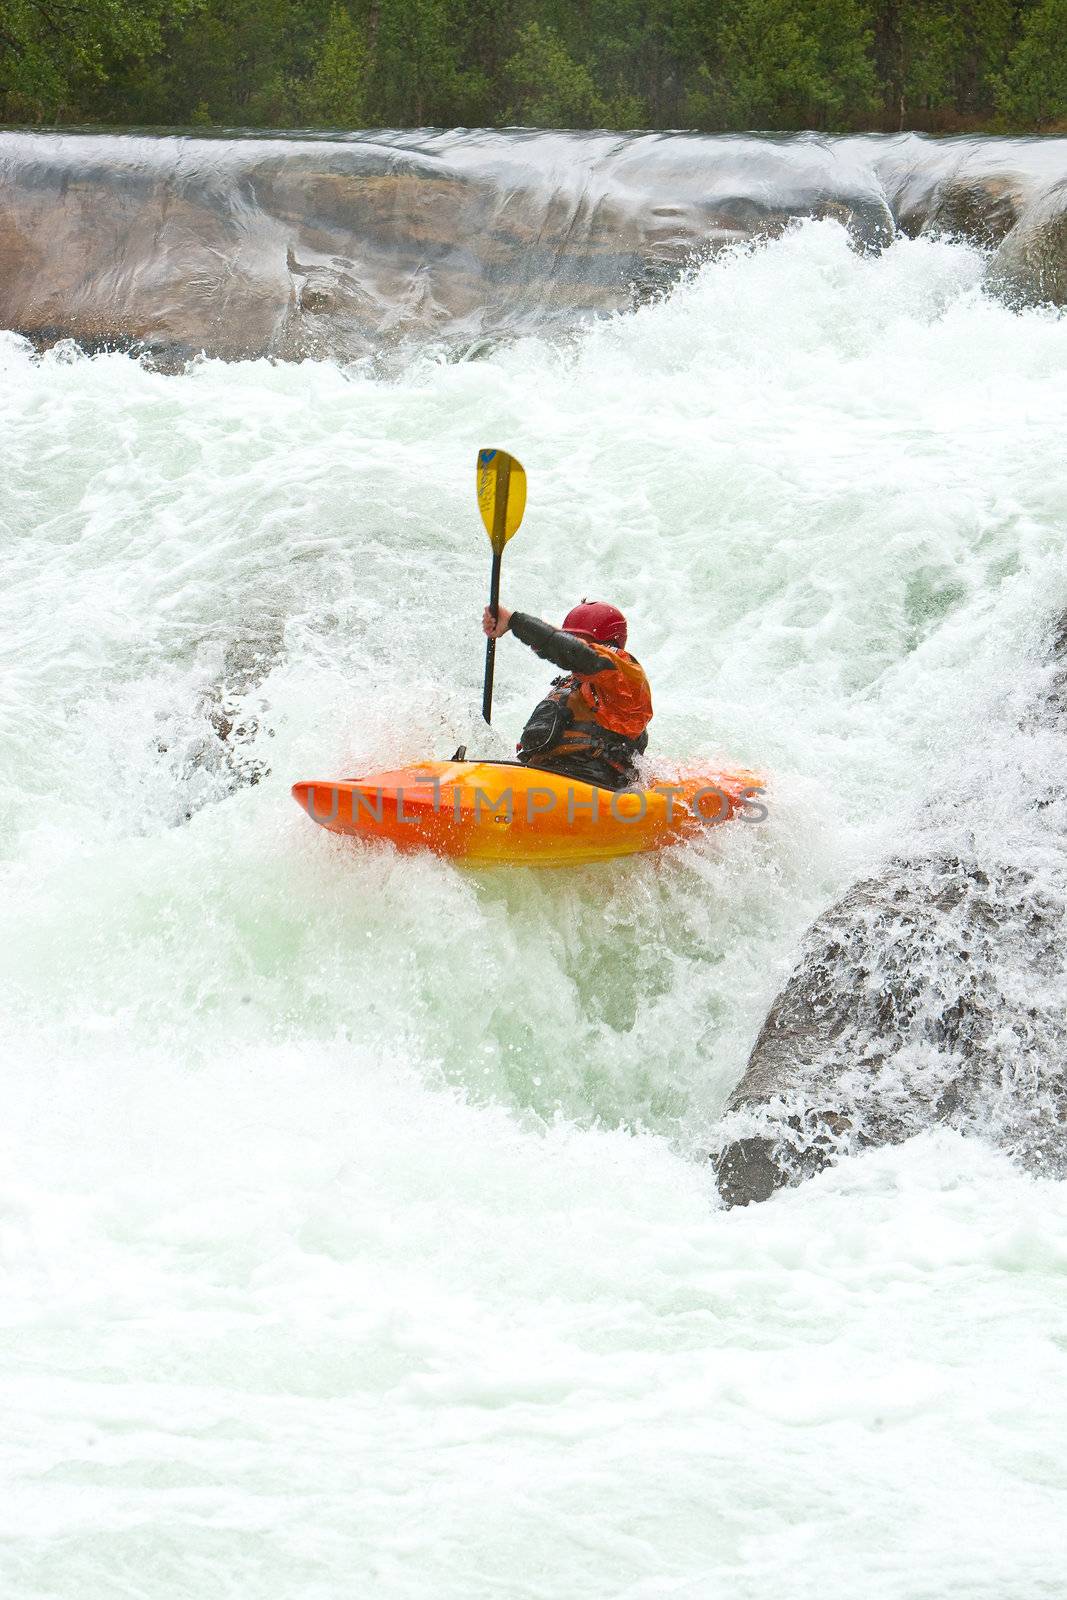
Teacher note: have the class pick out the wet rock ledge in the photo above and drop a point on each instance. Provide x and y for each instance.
(296, 246)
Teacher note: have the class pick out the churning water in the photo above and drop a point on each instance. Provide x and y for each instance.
(356, 1231)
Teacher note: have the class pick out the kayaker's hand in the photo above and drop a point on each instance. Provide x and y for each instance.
(491, 629)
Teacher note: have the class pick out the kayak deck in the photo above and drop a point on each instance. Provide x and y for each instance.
(499, 812)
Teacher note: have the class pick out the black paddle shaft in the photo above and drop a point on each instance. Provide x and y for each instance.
(490, 644)
(500, 536)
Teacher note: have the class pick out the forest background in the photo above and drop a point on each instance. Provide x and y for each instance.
(715, 65)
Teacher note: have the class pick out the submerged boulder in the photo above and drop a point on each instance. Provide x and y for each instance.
(964, 187)
(1030, 268)
(1006, 195)
(926, 996)
(932, 993)
(216, 746)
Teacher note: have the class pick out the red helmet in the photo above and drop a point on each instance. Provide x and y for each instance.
(595, 620)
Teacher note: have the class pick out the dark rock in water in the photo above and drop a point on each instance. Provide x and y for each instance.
(974, 189)
(216, 749)
(1006, 195)
(1031, 265)
(236, 719)
(931, 993)
(982, 210)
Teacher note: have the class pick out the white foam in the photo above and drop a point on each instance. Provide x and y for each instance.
(357, 1237)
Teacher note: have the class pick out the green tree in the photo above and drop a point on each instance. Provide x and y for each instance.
(633, 50)
(52, 53)
(934, 57)
(413, 75)
(227, 64)
(483, 37)
(550, 89)
(1033, 89)
(782, 66)
(334, 95)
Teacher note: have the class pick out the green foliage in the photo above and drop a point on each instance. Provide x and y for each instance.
(938, 59)
(713, 64)
(227, 61)
(335, 93)
(550, 88)
(54, 51)
(1033, 89)
(413, 72)
(782, 66)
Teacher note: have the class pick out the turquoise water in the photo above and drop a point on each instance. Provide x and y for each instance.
(357, 1234)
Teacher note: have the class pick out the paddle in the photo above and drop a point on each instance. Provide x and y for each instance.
(501, 501)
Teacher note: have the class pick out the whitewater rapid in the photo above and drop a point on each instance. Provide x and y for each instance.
(356, 1230)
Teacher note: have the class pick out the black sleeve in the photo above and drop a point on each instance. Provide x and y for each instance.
(563, 649)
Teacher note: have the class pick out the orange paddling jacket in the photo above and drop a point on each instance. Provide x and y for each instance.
(592, 725)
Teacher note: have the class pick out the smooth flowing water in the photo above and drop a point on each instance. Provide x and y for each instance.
(356, 1231)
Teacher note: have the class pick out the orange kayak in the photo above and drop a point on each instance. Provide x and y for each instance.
(497, 812)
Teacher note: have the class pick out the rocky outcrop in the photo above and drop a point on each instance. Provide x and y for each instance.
(926, 996)
(300, 246)
(294, 248)
(291, 247)
(932, 992)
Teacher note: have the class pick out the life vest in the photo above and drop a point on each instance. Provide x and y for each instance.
(585, 722)
(620, 700)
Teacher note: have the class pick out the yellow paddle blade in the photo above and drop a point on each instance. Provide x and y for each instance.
(501, 495)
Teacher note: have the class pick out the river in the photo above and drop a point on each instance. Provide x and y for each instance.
(358, 1235)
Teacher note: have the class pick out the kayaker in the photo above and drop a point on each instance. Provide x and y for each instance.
(592, 726)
